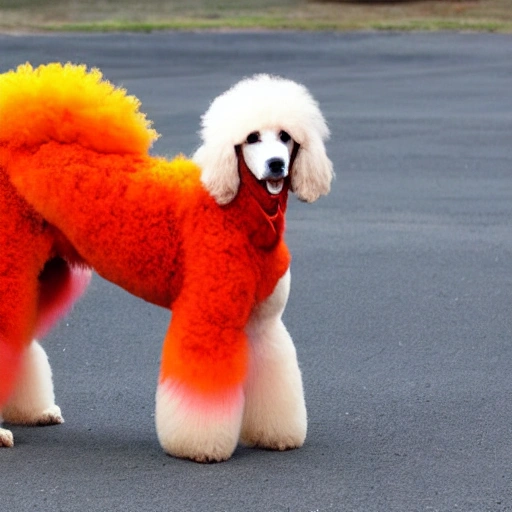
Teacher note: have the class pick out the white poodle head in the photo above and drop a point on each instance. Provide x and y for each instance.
(279, 129)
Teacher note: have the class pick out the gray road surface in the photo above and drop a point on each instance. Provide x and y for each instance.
(401, 293)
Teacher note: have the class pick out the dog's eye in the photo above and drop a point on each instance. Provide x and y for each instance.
(253, 137)
(284, 136)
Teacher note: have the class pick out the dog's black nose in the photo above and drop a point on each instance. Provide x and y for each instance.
(276, 166)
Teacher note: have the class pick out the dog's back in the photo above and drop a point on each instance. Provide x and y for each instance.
(71, 146)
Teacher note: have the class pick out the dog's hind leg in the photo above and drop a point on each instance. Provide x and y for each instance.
(26, 388)
(18, 298)
(10, 362)
(33, 401)
(200, 400)
(275, 412)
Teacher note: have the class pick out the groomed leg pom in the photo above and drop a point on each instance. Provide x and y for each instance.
(33, 401)
(6, 438)
(203, 427)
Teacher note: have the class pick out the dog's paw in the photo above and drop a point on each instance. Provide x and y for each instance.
(273, 442)
(190, 426)
(269, 427)
(199, 453)
(6, 438)
(50, 416)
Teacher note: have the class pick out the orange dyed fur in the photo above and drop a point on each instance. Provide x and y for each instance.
(92, 199)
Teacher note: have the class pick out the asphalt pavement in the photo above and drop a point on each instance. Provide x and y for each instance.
(401, 301)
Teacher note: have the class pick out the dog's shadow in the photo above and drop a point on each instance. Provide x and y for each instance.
(103, 445)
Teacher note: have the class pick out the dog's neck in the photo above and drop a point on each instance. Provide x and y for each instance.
(266, 211)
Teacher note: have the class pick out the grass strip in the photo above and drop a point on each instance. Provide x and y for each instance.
(263, 23)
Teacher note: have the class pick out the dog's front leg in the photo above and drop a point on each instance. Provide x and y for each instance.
(275, 412)
(191, 424)
(200, 400)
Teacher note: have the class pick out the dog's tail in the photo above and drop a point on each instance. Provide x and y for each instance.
(76, 149)
(69, 104)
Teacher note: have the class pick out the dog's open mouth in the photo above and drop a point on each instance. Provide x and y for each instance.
(274, 187)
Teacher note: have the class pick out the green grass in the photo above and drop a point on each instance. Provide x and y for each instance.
(436, 25)
(280, 24)
(151, 15)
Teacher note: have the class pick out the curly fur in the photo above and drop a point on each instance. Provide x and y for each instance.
(79, 191)
(259, 103)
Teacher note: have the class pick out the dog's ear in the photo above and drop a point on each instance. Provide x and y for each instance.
(312, 171)
(219, 171)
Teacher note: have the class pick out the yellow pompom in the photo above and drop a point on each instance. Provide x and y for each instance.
(69, 104)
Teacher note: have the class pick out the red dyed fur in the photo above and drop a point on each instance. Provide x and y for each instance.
(157, 233)
(60, 285)
(79, 191)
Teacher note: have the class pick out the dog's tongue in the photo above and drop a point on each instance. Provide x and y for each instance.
(275, 187)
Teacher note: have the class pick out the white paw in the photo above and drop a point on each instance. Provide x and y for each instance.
(6, 438)
(274, 422)
(33, 401)
(273, 440)
(50, 416)
(191, 426)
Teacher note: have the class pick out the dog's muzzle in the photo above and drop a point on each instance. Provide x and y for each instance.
(274, 177)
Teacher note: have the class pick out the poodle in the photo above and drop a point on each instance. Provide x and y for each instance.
(203, 237)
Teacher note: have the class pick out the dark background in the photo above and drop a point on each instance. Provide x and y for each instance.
(401, 288)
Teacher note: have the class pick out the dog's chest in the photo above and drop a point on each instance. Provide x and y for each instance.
(272, 267)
